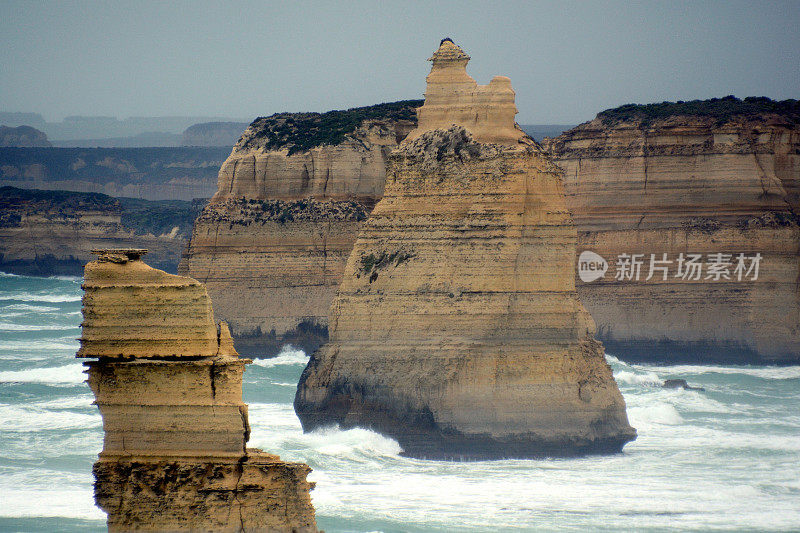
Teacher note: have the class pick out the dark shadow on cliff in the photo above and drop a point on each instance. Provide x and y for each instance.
(307, 336)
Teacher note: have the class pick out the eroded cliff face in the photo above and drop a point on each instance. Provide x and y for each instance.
(160, 173)
(690, 186)
(168, 383)
(50, 233)
(272, 244)
(457, 329)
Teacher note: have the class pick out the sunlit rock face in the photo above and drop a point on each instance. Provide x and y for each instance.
(453, 97)
(272, 244)
(457, 329)
(680, 185)
(168, 383)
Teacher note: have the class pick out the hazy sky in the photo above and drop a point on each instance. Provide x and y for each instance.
(566, 60)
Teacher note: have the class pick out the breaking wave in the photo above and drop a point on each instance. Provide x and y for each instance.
(633, 378)
(61, 374)
(289, 355)
(768, 372)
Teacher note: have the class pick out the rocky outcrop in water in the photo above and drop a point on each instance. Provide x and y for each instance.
(168, 383)
(457, 329)
(716, 182)
(272, 244)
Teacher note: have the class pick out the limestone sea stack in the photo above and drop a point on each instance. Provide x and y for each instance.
(168, 383)
(272, 244)
(715, 182)
(457, 329)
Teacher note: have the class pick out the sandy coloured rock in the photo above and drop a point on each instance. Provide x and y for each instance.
(682, 184)
(272, 244)
(168, 383)
(457, 329)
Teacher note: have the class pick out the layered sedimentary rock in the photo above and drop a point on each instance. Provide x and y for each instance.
(272, 244)
(168, 383)
(691, 179)
(168, 173)
(457, 328)
(50, 233)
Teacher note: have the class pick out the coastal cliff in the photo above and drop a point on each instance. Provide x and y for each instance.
(168, 383)
(174, 173)
(457, 329)
(22, 136)
(272, 244)
(676, 181)
(47, 233)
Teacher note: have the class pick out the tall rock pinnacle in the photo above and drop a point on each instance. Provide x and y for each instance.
(168, 383)
(454, 98)
(457, 329)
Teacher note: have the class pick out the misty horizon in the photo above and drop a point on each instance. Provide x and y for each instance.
(567, 61)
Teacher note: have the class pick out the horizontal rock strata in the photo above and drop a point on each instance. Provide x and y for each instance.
(47, 233)
(168, 383)
(457, 328)
(689, 184)
(272, 244)
(159, 173)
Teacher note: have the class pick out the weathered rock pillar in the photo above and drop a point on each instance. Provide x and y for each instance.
(168, 383)
(457, 328)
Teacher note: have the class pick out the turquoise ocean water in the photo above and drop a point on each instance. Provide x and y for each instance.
(727, 458)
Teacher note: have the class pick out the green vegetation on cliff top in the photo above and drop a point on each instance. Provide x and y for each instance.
(142, 216)
(303, 131)
(12, 198)
(720, 109)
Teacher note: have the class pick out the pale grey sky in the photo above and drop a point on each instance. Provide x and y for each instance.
(566, 60)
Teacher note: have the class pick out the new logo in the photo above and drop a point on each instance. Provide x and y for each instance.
(591, 266)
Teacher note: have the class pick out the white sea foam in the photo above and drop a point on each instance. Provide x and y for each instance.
(351, 443)
(273, 415)
(61, 374)
(769, 372)
(72, 402)
(41, 297)
(44, 346)
(5, 326)
(48, 493)
(31, 418)
(39, 445)
(73, 279)
(29, 308)
(657, 413)
(276, 427)
(636, 378)
(701, 462)
(287, 356)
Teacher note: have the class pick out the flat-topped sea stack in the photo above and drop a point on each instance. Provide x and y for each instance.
(716, 181)
(457, 329)
(168, 383)
(272, 244)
